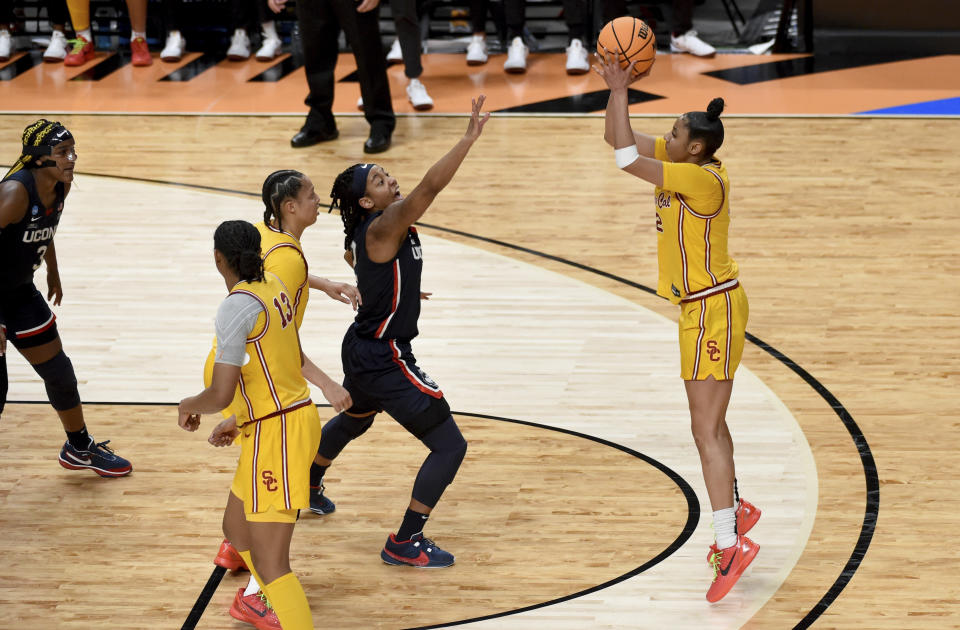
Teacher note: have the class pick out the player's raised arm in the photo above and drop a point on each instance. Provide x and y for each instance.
(389, 229)
(617, 121)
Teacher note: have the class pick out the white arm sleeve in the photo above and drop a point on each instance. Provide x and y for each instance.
(236, 318)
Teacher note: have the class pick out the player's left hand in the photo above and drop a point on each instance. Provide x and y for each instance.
(343, 292)
(54, 289)
(337, 396)
(224, 433)
(366, 6)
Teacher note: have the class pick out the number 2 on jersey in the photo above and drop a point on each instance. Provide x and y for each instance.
(285, 310)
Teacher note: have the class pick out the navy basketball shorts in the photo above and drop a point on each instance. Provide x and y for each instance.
(382, 375)
(25, 316)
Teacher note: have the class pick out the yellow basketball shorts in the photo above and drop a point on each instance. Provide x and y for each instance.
(712, 332)
(273, 472)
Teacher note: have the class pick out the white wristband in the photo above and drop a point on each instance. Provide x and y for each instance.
(626, 156)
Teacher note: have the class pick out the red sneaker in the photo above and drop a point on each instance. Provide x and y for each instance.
(747, 516)
(255, 610)
(728, 565)
(229, 558)
(80, 53)
(141, 54)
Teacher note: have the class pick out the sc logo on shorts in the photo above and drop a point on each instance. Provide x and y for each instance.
(713, 351)
(269, 480)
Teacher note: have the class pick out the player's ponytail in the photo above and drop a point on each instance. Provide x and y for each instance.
(707, 127)
(277, 188)
(239, 243)
(346, 199)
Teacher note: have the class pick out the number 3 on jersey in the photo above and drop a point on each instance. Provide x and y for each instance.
(285, 310)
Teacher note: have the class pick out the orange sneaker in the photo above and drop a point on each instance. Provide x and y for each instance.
(728, 565)
(141, 54)
(229, 558)
(81, 52)
(255, 610)
(747, 516)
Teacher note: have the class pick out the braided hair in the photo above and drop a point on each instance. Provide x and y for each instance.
(239, 242)
(346, 199)
(277, 188)
(706, 126)
(38, 140)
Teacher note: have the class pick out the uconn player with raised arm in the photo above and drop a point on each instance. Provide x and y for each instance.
(380, 371)
(31, 200)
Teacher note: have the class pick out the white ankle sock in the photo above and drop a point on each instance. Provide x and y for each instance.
(86, 34)
(136, 34)
(725, 527)
(252, 587)
(270, 30)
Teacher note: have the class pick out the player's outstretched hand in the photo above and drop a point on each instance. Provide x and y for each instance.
(616, 76)
(224, 433)
(476, 120)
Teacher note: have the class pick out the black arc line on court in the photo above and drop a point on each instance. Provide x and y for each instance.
(871, 476)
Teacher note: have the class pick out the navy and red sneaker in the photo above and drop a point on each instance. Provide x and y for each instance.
(98, 457)
(417, 552)
(320, 504)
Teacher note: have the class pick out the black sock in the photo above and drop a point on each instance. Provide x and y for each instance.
(316, 474)
(79, 440)
(413, 523)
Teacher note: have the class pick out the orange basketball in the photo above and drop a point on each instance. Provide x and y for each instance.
(632, 39)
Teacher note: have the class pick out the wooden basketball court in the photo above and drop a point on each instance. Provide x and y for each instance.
(580, 503)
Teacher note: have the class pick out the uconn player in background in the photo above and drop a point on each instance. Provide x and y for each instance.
(697, 273)
(380, 371)
(31, 200)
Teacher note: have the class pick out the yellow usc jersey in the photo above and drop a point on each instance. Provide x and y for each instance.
(283, 256)
(693, 218)
(271, 381)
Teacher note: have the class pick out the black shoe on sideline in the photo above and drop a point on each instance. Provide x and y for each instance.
(308, 137)
(378, 142)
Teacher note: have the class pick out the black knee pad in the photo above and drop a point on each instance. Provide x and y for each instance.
(447, 450)
(60, 381)
(339, 431)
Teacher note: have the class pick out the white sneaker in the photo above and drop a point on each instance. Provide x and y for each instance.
(173, 50)
(577, 58)
(57, 48)
(360, 103)
(418, 96)
(395, 55)
(477, 51)
(270, 49)
(690, 43)
(516, 56)
(6, 45)
(239, 46)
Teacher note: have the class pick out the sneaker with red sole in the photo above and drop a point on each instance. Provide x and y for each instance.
(747, 516)
(728, 565)
(417, 552)
(254, 609)
(97, 457)
(229, 558)
(81, 52)
(140, 52)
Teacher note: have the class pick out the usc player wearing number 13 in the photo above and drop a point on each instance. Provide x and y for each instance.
(31, 202)
(696, 271)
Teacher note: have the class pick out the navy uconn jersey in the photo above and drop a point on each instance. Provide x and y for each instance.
(23, 244)
(390, 290)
